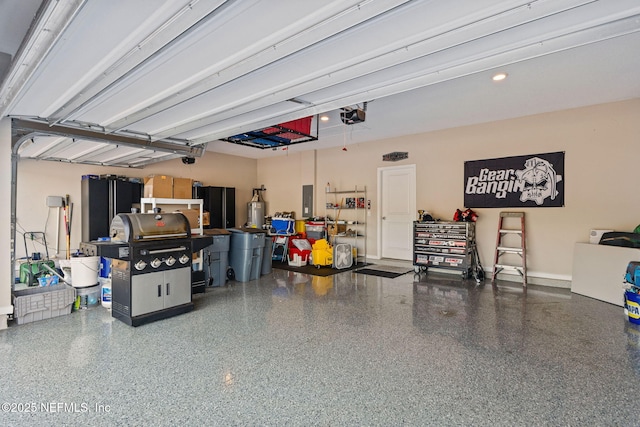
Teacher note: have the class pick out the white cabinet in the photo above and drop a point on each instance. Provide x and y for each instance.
(349, 208)
(189, 203)
(598, 271)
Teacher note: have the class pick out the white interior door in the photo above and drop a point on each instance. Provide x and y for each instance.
(397, 189)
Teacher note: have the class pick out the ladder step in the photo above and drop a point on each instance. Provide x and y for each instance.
(508, 230)
(511, 214)
(509, 267)
(511, 250)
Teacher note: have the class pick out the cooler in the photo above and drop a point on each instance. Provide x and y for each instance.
(284, 226)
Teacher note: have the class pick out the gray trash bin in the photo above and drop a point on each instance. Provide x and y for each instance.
(245, 253)
(215, 259)
(266, 255)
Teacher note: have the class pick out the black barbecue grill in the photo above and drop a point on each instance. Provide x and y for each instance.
(151, 266)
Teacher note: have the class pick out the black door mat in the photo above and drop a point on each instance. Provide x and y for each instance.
(381, 273)
(313, 270)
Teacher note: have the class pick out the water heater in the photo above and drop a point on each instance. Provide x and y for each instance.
(256, 209)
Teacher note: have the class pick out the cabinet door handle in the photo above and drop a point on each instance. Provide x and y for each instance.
(384, 217)
(159, 291)
(168, 289)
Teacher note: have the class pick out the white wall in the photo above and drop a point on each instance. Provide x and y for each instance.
(39, 179)
(602, 145)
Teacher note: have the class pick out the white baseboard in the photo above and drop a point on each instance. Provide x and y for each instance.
(536, 278)
(533, 277)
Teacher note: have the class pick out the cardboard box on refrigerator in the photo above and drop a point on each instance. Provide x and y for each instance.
(182, 188)
(158, 186)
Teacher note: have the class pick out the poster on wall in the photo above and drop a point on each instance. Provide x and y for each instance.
(535, 180)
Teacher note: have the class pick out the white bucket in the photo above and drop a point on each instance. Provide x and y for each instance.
(84, 271)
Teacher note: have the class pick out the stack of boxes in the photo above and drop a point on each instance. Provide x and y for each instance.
(167, 187)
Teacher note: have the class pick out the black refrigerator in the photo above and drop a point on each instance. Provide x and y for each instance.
(220, 202)
(101, 200)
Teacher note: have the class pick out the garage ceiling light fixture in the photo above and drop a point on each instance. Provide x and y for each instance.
(499, 77)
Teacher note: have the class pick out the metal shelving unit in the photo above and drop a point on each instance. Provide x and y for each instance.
(351, 206)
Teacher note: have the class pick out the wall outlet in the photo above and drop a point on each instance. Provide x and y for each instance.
(54, 201)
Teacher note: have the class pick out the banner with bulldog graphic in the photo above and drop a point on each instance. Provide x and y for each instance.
(536, 180)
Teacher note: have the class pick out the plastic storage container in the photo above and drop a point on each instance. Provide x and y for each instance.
(245, 253)
(632, 304)
(315, 230)
(215, 260)
(299, 251)
(48, 280)
(297, 257)
(30, 305)
(88, 297)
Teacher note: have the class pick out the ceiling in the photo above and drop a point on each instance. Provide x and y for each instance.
(132, 83)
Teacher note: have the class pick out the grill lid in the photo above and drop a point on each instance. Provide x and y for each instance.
(136, 227)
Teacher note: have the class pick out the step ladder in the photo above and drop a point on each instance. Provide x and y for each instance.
(502, 248)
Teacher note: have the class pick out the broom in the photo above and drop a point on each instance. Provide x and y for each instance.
(67, 224)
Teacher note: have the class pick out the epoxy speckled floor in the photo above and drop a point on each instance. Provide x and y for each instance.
(344, 350)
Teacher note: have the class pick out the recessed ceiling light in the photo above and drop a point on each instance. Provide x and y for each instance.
(498, 77)
(324, 118)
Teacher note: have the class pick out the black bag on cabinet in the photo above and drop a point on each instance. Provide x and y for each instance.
(618, 238)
